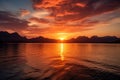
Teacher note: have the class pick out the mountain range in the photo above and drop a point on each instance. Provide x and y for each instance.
(6, 37)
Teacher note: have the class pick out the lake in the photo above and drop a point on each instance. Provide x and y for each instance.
(59, 61)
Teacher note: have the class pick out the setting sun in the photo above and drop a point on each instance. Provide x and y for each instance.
(62, 39)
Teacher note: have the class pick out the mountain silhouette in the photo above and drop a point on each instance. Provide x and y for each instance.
(11, 37)
(6, 37)
(42, 40)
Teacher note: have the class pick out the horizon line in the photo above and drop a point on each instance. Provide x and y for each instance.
(64, 39)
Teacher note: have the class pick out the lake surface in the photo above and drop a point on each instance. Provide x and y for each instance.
(59, 61)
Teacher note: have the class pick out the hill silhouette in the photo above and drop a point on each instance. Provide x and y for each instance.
(6, 37)
(95, 39)
(11, 37)
(42, 40)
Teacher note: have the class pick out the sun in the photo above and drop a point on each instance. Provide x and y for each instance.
(62, 38)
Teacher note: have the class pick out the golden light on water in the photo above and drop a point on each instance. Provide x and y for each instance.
(62, 51)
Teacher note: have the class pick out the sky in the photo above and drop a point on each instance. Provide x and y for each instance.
(60, 18)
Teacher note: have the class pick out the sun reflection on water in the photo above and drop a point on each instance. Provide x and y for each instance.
(62, 51)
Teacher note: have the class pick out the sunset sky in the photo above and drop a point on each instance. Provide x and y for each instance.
(60, 18)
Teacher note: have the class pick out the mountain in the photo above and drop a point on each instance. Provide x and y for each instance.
(11, 37)
(42, 40)
(95, 39)
(6, 37)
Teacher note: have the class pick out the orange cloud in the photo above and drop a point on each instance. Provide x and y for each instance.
(41, 13)
(38, 23)
(39, 20)
(80, 4)
(46, 3)
(64, 10)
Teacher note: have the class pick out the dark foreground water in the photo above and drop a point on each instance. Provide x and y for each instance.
(59, 61)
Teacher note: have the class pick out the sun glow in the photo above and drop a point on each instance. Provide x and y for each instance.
(62, 38)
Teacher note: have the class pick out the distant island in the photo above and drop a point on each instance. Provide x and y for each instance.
(6, 37)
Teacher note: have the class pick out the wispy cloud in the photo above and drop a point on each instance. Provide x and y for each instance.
(11, 22)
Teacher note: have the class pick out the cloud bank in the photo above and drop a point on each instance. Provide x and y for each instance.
(58, 16)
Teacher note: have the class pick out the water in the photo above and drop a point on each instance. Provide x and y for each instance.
(59, 61)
